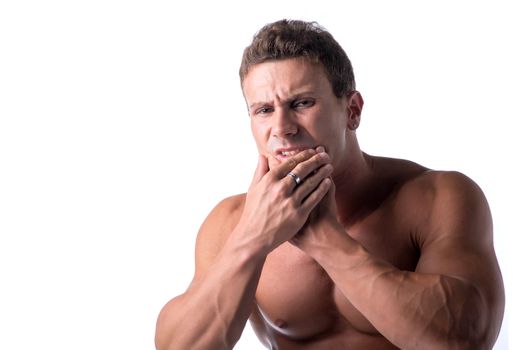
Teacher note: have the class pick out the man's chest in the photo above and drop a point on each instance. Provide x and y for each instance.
(298, 299)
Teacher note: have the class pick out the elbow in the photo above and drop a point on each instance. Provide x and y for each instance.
(464, 320)
(465, 343)
(459, 341)
(175, 330)
(471, 335)
(168, 331)
(478, 324)
(164, 333)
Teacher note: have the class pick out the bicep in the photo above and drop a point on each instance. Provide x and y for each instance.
(458, 241)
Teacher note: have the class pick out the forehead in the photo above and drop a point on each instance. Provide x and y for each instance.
(284, 78)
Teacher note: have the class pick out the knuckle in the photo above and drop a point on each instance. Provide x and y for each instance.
(307, 153)
(267, 182)
(281, 191)
(309, 183)
(300, 168)
(272, 175)
(303, 156)
(327, 170)
(320, 159)
(292, 162)
(296, 206)
(301, 211)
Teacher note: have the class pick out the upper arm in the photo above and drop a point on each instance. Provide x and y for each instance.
(457, 235)
(211, 237)
(215, 230)
(458, 240)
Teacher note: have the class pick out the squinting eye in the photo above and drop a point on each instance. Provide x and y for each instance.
(303, 103)
(263, 110)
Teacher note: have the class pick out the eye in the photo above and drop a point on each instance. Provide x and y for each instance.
(305, 103)
(263, 110)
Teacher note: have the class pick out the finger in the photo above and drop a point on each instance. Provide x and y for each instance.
(261, 170)
(329, 199)
(312, 182)
(308, 168)
(317, 195)
(291, 163)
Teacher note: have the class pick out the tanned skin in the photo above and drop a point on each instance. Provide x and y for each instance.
(365, 253)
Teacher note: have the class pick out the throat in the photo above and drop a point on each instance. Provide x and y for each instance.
(355, 206)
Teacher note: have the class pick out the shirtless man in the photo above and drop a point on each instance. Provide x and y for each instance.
(332, 248)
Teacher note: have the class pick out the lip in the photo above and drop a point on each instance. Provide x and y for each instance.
(278, 153)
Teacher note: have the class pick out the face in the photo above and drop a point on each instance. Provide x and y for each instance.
(292, 107)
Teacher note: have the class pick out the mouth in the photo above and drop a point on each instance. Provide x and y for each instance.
(284, 153)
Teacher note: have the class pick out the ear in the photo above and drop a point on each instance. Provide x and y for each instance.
(354, 106)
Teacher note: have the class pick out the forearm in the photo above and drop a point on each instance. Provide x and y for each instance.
(214, 310)
(412, 310)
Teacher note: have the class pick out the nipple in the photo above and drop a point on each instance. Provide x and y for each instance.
(281, 323)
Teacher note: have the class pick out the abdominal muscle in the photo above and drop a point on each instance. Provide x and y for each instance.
(298, 307)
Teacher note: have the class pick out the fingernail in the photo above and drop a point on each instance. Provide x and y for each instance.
(319, 149)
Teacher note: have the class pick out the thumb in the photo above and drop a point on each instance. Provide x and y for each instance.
(262, 169)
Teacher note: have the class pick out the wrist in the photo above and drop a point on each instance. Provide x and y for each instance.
(336, 243)
(247, 245)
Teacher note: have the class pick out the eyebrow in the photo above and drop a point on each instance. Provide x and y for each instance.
(291, 98)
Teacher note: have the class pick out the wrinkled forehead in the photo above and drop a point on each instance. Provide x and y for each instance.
(283, 78)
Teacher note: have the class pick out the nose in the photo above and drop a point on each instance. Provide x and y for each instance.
(284, 123)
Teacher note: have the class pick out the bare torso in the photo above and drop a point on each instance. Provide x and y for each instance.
(299, 307)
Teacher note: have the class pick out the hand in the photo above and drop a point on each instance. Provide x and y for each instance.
(321, 219)
(276, 207)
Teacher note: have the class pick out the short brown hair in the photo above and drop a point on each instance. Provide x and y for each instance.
(293, 38)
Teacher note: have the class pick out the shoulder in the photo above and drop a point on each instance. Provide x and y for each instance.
(415, 183)
(446, 204)
(459, 202)
(222, 219)
(226, 212)
(216, 229)
(440, 190)
(434, 201)
(411, 176)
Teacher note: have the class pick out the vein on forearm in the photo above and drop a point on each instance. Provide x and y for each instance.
(411, 309)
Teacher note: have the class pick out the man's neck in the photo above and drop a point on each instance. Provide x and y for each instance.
(355, 187)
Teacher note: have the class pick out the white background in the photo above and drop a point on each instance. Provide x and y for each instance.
(122, 124)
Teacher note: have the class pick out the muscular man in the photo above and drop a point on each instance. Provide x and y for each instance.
(332, 248)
